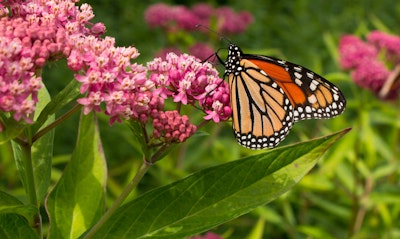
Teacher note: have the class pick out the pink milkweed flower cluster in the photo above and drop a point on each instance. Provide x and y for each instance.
(33, 33)
(188, 81)
(182, 17)
(172, 19)
(371, 62)
(208, 235)
(41, 31)
(172, 127)
(109, 77)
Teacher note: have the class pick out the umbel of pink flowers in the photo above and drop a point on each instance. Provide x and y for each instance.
(182, 17)
(372, 62)
(33, 33)
(174, 18)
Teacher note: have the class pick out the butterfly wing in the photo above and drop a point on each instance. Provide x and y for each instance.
(262, 113)
(312, 96)
(268, 95)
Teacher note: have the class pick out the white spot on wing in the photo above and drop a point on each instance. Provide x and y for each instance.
(313, 86)
(298, 81)
(312, 99)
(298, 75)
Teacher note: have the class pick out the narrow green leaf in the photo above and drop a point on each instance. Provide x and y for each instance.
(41, 154)
(13, 226)
(69, 93)
(137, 131)
(42, 151)
(314, 232)
(215, 195)
(10, 204)
(19, 162)
(77, 201)
(258, 230)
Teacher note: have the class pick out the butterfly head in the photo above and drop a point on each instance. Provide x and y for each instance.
(232, 63)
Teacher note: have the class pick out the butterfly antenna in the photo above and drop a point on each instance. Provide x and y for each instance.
(221, 37)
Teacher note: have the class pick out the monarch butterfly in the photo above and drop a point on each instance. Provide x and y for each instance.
(268, 95)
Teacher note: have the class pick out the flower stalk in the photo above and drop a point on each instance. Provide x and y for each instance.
(144, 167)
(30, 186)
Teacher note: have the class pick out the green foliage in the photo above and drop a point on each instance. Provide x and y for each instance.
(11, 205)
(352, 192)
(77, 201)
(215, 195)
(15, 227)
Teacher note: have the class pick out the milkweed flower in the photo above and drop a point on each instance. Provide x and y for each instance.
(109, 77)
(172, 18)
(42, 31)
(37, 32)
(353, 52)
(208, 235)
(27, 40)
(230, 22)
(390, 43)
(188, 81)
(172, 127)
(371, 62)
(201, 50)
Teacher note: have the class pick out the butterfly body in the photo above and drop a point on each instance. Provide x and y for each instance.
(268, 95)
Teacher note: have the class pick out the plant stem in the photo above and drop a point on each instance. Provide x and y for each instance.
(26, 157)
(157, 155)
(56, 122)
(128, 189)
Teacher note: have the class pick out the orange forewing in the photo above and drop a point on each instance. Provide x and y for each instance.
(283, 79)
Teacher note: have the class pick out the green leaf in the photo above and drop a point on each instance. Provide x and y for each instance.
(78, 199)
(42, 151)
(315, 232)
(258, 230)
(215, 195)
(13, 226)
(69, 93)
(137, 131)
(11, 128)
(10, 204)
(40, 154)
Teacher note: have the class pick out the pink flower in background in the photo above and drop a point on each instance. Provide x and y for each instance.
(229, 22)
(353, 51)
(204, 13)
(201, 50)
(164, 52)
(370, 69)
(170, 17)
(390, 43)
(158, 15)
(184, 18)
(175, 19)
(208, 235)
(371, 75)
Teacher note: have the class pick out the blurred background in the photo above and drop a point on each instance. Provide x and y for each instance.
(354, 192)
